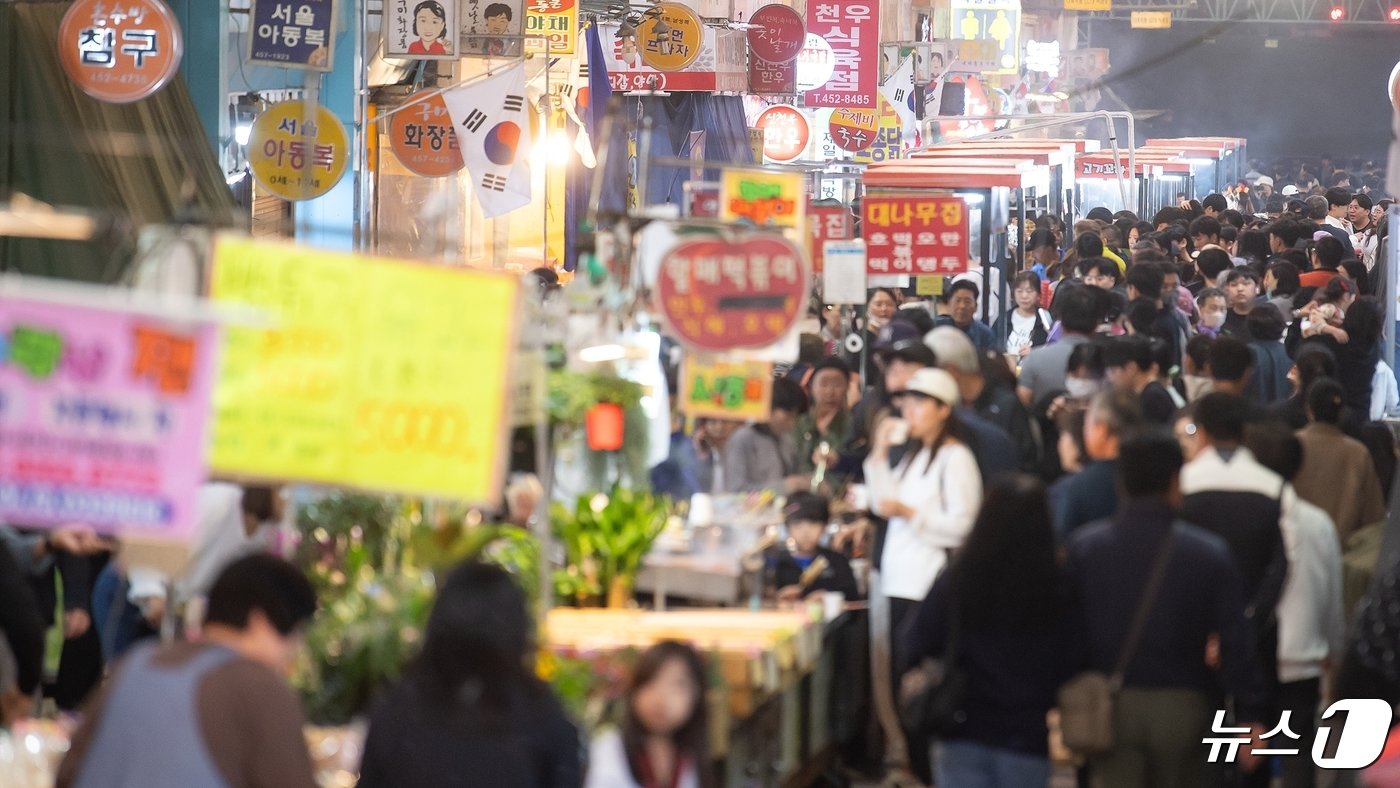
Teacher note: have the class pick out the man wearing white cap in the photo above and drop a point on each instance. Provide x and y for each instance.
(1265, 187)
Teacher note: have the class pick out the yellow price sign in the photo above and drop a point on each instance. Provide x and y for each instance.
(735, 390)
(767, 199)
(674, 46)
(928, 285)
(366, 374)
(295, 153)
(1088, 5)
(1151, 20)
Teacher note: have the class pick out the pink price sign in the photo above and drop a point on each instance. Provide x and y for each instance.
(102, 418)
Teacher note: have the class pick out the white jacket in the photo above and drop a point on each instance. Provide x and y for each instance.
(607, 765)
(1310, 620)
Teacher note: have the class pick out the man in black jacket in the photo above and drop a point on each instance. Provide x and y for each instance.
(994, 403)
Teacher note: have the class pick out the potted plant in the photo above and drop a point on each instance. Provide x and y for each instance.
(605, 537)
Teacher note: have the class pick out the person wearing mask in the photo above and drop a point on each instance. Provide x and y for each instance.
(958, 308)
(1028, 325)
(1015, 643)
(986, 399)
(924, 480)
(1091, 494)
(827, 422)
(1042, 374)
(880, 308)
(1311, 621)
(1214, 308)
(469, 711)
(216, 712)
(1337, 474)
(1281, 283)
(764, 456)
(793, 578)
(1164, 708)
(1242, 293)
(1269, 383)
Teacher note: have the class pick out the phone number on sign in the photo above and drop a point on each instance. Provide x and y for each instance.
(851, 99)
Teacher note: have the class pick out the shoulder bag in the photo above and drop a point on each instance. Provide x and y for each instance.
(933, 705)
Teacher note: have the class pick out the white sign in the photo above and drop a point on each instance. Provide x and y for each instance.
(815, 64)
(843, 273)
(1043, 57)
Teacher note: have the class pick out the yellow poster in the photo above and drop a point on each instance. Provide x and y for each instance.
(735, 390)
(767, 199)
(555, 23)
(369, 372)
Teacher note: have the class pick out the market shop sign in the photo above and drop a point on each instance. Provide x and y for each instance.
(292, 34)
(854, 129)
(735, 390)
(675, 45)
(852, 29)
(826, 221)
(297, 154)
(920, 234)
(556, 21)
(786, 132)
(720, 66)
(1151, 20)
(366, 375)
(1088, 5)
(119, 53)
(102, 417)
(766, 78)
(724, 293)
(815, 63)
(765, 199)
(423, 139)
(776, 33)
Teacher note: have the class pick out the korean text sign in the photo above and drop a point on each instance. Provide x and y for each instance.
(293, 33)
(422, 137)
(102, 418)
(763, 198)
(119, 52)
(368, 375)
(915, 234)
(826, 222)
(720, 294)
(852, 28)
(557, 21)
(298, 151)
(737, 390)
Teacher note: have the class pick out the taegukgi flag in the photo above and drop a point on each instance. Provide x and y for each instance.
(493, 126)
(898, 90)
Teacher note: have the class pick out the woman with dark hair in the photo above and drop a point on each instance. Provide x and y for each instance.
(1253, 247)
(880, 307)
(470, 711)
(1357, 357)
(1028, 325)
(1312, 363)
(1280, 285)
(1355, 270)
(1016, 643)
(663, 741)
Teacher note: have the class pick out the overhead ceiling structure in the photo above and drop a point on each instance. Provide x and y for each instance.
(1321, 12)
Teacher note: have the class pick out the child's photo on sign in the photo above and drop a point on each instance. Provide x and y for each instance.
(492, 28)
(420, 29)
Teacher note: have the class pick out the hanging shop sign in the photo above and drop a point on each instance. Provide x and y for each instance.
(826, 221)
(766, 199)
(852, 28)
(734, 390)
(776, 33)
(423, 30)
(1088, 5)
(998, 21)
(815, 63)
(297, 154)
(102, 417)
(554, 23)
(119, 53)
(768, 79)
(669, 37)
(422, 136)
(1085, 64)
(889, 143)
(854, 129)
(406, 397)
(1043, 57)
(915, 234)
(843, 275)
(1100, 168)
(491, 28)
(785, 132)
(294, 34)
(721, 65)
(721, 293)
(1151, 20)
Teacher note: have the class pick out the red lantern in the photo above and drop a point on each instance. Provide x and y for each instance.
(604, 425)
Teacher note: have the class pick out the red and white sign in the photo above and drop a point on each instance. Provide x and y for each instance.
(423, 138)
(854, 129)
(916, 234)
(815, 63)
(785, 132)
(826, 223)
(720, 294)
(721, 65)
(119, 53)
(767, 78)
(852, 28)
(776, 33)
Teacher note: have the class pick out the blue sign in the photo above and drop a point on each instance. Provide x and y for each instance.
(293, 33)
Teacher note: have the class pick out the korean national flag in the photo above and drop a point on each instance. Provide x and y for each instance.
(898, 90)
(493, 128)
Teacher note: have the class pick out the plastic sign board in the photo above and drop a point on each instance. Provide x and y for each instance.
(854, 129)
(293, 33)
(119, 53)
(297, 154)
(1151, 20)
(734, 390)
(423, 138)
(919, 234)
(1088, 5)
(843, 274)
(557, 20)
(366, 374)
(997, 21)
(826, 222)
(679, 41)
(776, 34)
(852, 29)
(764, 199)
(786, 133)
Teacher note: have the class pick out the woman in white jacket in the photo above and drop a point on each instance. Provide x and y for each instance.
(924, 480)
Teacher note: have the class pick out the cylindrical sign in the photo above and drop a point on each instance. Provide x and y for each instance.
(815, 63)
(422, 136)
(719, 294)
(786, 132)
(677, 44)
(119, 53)
(295, 154)
(854, 129)
(776, 33)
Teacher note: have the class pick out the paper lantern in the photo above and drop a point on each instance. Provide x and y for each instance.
(604, 425)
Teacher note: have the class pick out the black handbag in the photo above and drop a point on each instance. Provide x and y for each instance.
(934, 706)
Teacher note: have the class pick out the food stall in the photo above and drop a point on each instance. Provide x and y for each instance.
(1173, 176)
(1232, 162)
(1057, 155)
(1099, 181)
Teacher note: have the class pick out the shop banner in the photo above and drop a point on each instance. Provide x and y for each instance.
(890, 137)
(854, 129)
(294, 34)
(119, 53)
(734, 390)
(770, 79)
(826, 221)
(721, 65)
(102, 418)
(422, 30)
(371, 373)
(843, 275)
(491, 28)
(297, 153)
(723, 293)
(422, 137)
(765, 199)
(915, 234)
(776, 33)
(852, 28)
(556, 19)
(669, 37)
(785, 131)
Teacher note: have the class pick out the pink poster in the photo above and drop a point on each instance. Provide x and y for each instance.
(102, 418)
(852, 28)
